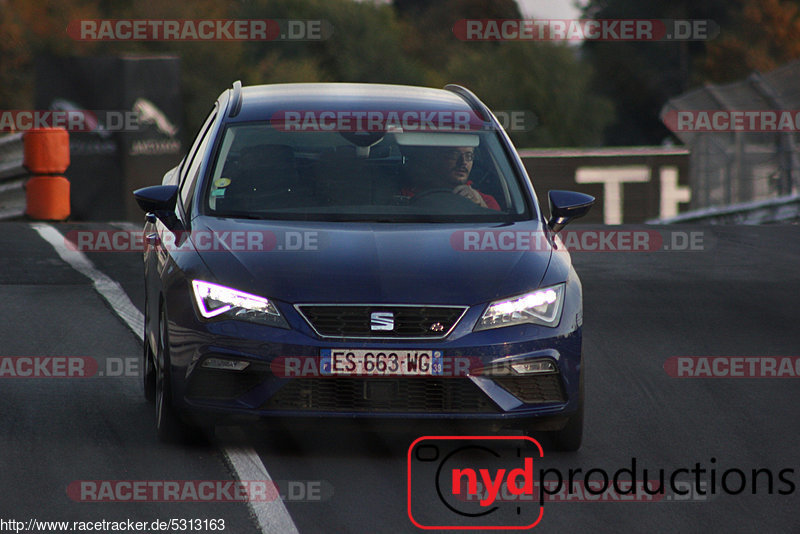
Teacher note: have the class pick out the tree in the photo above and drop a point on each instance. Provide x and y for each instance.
(641, 76)
(547, 79)
(428, 26)
(366, 44)
(408, 42)
(763, 36)
(543, 78)
(26, 33)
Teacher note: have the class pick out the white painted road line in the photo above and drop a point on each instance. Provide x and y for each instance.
(248, 466)
(108, 288)
(271, 517)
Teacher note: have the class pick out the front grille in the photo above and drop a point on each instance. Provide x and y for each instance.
(534, 389)
(355, 321)
(221, 384)
(410, 395)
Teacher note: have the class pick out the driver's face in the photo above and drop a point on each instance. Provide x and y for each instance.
(456, 163)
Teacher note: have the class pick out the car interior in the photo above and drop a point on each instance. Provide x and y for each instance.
(331, 173)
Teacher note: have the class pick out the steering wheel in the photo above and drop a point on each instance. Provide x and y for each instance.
(429, 192)
(445, 199)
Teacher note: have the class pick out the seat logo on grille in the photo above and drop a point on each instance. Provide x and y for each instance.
(381, 321)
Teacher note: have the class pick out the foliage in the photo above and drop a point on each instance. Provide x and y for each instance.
(641, 76)
(408, 42)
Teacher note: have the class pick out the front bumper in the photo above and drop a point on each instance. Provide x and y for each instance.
(480, 389)
(485, 391)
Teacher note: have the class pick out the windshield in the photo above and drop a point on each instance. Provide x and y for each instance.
(265, 173)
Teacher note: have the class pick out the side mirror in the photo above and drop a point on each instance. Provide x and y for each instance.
(565, 206)
(157, 198)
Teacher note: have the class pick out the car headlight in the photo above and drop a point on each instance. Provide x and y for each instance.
(542, 306)
(220, 302)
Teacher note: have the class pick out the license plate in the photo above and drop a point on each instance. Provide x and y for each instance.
(365, 362)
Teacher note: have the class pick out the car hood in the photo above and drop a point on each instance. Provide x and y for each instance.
(316, 262)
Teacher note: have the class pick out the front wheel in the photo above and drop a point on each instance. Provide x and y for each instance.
(148, 372)
(570, 437)
(169, 425)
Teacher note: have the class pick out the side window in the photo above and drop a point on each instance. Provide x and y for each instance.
(195, 158)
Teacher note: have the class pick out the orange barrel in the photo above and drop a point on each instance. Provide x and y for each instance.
(46, 150)
(47, 198)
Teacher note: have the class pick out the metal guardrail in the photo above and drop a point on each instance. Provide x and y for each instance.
(742, 164)
(11, 157)
(12, 177)
(784, 209)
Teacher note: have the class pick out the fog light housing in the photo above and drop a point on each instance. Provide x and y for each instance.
(224, 364)
(533, 367)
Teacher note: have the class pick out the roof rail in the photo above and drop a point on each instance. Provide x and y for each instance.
(470, 98)
(235, 105)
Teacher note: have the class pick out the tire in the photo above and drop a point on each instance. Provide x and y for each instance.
(170, 427)
(570, 437)
(148, 372)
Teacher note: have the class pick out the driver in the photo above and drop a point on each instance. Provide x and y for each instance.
(445, 168)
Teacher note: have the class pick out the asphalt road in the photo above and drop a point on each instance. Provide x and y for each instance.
(737, 297)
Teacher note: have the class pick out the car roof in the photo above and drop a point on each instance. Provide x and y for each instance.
(260, 102)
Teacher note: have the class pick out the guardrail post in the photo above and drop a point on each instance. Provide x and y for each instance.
(46, 157)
